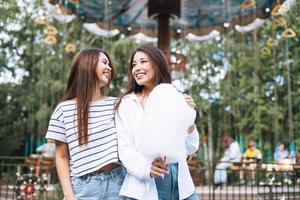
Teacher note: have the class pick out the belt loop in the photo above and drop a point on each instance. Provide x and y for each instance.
(111, 175)
(88, 178)
(102, 176)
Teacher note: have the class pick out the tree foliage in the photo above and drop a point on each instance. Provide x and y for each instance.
(238, 90)
(253, 97)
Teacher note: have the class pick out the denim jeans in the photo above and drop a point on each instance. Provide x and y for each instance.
(167, 187)
(99, 186)
(220, 176)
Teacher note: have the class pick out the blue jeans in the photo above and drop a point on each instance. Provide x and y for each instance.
(99, 186)
(167, 187)
(220, 176)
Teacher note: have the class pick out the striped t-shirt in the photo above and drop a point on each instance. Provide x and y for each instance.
(101, 148)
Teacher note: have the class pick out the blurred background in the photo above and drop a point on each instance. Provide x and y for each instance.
(239, 60)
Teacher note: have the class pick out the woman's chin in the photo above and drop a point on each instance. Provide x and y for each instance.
(103, 83)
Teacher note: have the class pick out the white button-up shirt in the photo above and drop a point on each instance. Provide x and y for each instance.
(138, 184)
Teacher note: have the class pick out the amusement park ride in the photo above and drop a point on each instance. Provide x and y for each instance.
(29, 185)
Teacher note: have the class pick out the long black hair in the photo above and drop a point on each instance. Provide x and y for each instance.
(160, 66)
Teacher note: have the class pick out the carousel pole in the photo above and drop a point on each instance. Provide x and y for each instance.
(163, 10)
(164, 34)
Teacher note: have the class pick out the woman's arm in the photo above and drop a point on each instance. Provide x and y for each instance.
(192, 140)
(135, 163)
(189, 100)
(62, 166)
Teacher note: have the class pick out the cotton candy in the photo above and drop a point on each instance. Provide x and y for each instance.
(165, 124)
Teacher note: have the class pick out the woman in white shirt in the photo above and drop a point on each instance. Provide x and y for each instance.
(149, 179)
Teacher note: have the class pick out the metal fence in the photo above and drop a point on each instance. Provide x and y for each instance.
(266, 182)
(18, 179)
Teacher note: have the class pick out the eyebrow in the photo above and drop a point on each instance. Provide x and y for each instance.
(140, 59)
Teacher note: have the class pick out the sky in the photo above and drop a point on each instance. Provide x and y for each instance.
(14, 60)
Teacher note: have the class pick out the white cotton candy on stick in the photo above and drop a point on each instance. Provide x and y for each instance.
(165, 124)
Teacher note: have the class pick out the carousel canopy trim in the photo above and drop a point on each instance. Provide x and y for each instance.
(250, 27)
(95, 29)
(211, 35)
(144, 38)
(199, 17)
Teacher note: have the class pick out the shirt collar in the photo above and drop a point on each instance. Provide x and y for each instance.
(132, 96)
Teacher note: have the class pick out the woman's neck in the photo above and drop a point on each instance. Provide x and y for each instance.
(97, 95)
(143, 95)
(146, 91)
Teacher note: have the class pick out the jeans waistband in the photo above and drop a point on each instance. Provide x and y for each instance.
(111, 172)
(108, 168)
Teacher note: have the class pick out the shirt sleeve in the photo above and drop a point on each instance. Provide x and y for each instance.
(192, 142)
(245, 155)
(258, 155)
(235, 153)
(56, 129)
(135, 163)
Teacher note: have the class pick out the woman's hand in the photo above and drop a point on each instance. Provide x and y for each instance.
(189, 100)
(159, 167)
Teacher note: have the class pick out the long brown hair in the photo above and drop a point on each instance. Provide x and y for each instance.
(82, 83)
(160, 65)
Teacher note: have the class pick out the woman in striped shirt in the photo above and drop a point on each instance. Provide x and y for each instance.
(83, 128)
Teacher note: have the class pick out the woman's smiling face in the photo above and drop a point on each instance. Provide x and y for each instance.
(142, 70)
(103, 70)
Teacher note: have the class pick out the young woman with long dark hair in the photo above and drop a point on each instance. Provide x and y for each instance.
(149, 179)
(84, 131)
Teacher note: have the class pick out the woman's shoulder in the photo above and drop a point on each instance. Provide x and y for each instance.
(67, 104)
(62, 107)
(126, 102)
(129, 98)
(110, 98)
(63, 104)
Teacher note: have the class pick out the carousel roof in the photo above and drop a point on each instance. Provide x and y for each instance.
(197, 16)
